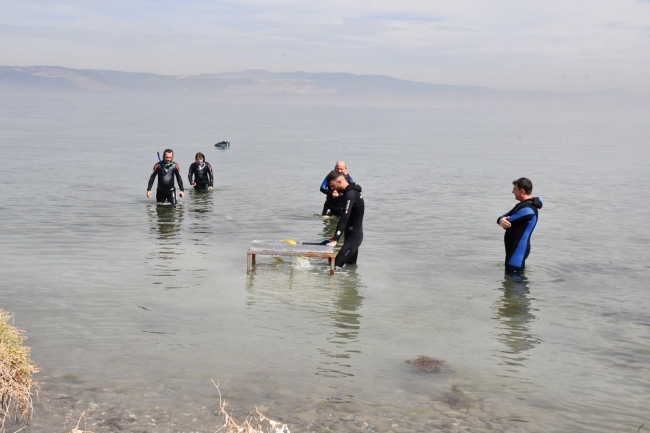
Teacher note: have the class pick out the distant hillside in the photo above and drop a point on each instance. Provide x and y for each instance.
(262, 85)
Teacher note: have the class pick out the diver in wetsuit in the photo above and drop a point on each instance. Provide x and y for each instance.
(202, 171)
(166, 170)
(351, 222)
(334, 203)
(519, 224)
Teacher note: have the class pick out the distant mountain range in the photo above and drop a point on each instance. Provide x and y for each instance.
(263, 85)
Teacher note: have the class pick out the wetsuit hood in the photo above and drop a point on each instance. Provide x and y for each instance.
(356, 186)
(537, 202)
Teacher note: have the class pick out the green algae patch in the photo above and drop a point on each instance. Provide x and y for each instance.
(16, 370)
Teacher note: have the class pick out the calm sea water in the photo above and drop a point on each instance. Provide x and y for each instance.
(131, 309)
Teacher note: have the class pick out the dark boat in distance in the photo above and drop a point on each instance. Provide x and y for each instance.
(222, 144)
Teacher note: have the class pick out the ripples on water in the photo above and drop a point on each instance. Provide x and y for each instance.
(131, 308)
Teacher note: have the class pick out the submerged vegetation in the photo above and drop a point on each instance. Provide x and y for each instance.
(16, 370)
(426, 363)
(458, 399)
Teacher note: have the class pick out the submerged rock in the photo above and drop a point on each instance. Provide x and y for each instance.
(426, 363)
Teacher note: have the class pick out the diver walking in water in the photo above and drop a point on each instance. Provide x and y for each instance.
(351, 222)
(202, 172)
(166, 170)
(519, 224)
(334, 203)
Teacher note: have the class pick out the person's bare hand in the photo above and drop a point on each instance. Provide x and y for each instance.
(332, 243)
(193, 183)
(210, 187)
(335, 193)
(181, 193)
(148, 194)
(505, 223)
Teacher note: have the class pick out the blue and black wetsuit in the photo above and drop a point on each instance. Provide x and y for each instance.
(523, 218)
(351, 223)
(202, 176)
(333, 205)
(166, 173)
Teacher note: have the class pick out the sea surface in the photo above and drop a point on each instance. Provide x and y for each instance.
(133, 309)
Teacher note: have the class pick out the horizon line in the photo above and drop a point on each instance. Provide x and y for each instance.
(611, 89)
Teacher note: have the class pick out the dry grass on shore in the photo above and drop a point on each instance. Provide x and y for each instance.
(256, 422)
(16, 370)
(17, 387)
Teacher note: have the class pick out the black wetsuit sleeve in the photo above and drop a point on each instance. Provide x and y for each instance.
(179, 178)
(349, 199)
(154, 173)
(210, 174)
(189, 174)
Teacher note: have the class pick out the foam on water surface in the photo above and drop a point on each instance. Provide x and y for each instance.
(300, 262)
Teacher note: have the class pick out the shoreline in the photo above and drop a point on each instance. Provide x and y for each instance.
(105, 410)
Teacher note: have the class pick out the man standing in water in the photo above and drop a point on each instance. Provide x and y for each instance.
(519, 224)
(202, 171)
(351, 222)
(334, 202)
(166, 170)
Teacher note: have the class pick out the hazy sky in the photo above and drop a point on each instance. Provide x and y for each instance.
(562, 45)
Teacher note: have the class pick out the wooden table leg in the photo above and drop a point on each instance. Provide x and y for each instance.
(253, 259)
(331, 266)
(248, 263)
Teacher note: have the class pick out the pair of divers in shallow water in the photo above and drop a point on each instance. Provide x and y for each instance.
(200, 176)
(344, 200)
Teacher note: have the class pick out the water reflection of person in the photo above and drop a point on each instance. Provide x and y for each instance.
(165, 232)
(200, 208)
(166, 223)
(166, 220)
(347, 322)
(331, 306)
(513, 311)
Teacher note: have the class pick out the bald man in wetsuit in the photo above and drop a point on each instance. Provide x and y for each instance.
(351, 221)
(519, 224)
(166, 170)
(334, 203)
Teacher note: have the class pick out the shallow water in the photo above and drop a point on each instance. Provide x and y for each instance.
(131, 308)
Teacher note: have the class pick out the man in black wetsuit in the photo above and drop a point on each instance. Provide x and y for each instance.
(202, 171)
(334, 202)
(519, 224)
(166, 170)
(351, 222)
